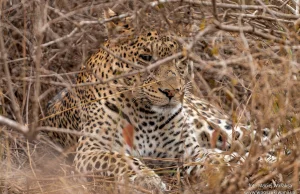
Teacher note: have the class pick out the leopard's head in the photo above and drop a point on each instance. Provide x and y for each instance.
(164, 84)
(156, 55)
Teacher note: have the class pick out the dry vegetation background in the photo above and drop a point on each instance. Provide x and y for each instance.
(245, 60)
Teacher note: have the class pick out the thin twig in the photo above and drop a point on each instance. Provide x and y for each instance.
(11, 94)
(79, 25)
(145, 69)
(13, 124)
(121, 58)
(251, 30)
(60, 39)
(259, 17)
(39, 34)
(229, 6)
(215, 11)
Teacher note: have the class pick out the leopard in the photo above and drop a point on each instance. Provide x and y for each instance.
(132, 101)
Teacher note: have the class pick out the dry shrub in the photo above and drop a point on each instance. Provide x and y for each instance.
(245, 60)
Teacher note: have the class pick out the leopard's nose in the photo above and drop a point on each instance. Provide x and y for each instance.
(169, 93)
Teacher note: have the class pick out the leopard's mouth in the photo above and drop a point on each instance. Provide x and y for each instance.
(161, 103)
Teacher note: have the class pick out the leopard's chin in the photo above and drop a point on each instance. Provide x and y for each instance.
(167, 104)
(172, 104)
(167, 107)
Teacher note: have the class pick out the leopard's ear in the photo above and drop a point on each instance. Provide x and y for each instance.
(183, 66)
(119, 25)
(108, 14)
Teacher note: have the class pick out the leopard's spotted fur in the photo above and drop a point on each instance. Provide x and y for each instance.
(148, 114)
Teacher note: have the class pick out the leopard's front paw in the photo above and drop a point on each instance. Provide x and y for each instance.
(152, 183)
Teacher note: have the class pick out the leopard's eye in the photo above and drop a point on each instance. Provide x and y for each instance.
(145, 57)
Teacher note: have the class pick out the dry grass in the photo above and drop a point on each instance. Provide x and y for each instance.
(245, 60)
